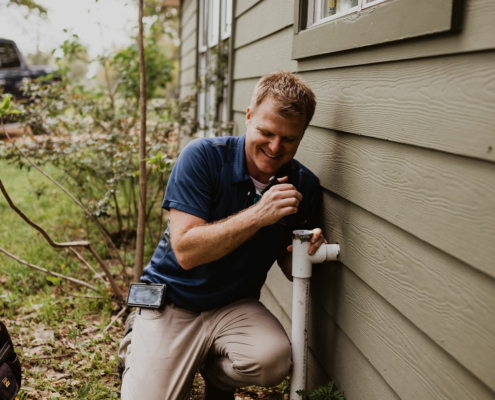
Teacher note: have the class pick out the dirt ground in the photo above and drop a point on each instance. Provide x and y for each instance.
(67, 356)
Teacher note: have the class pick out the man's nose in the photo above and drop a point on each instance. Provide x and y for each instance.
(275, 146)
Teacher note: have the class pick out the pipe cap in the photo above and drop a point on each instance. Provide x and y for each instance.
(302, 235)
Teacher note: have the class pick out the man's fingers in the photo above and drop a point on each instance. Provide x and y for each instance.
(283, 186)
(283, 180)
(316, 235)
(290, 202)
(288, 194)
(317, 240)
(289, 249)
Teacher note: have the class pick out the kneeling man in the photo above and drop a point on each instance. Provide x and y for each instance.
(227, 227)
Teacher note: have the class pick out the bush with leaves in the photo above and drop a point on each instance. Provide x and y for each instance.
(94, 134)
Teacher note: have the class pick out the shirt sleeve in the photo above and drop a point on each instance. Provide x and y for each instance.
(189, 187)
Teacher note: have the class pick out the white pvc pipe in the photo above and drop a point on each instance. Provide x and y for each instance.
(300, 316)
(302, 269)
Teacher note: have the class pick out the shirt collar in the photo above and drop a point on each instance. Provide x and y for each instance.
(240, 171)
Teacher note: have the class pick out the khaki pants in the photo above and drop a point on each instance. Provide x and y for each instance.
(237, 345)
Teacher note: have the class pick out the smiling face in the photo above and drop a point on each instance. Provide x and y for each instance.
(271, 140)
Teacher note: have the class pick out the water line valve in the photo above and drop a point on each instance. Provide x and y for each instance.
(302, 262)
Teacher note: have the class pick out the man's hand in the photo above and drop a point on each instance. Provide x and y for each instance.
(196, 242)
(278, 202)
(316, 241)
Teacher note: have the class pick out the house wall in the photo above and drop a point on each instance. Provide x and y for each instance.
(188, 47)
(403, 143)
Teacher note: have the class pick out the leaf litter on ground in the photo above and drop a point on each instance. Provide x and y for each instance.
(65, 354)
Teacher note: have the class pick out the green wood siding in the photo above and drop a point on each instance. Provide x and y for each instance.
(188, 49)
(404, 146)
(266, 55)
(262, 20)
(244, 5)
(435, 196)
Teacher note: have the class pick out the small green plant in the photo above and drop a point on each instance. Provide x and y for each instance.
(5, 107)
(327, 392)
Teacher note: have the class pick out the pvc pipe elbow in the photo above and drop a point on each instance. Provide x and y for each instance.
(302, 262)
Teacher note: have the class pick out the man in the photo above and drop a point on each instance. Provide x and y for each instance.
(227, 227)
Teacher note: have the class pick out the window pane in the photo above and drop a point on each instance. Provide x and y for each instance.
(334, 7)
(203, 24)
(213, 22)
(8, 56)
(226, 18)
(371, 2)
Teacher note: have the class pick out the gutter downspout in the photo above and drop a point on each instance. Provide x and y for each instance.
(302, 269)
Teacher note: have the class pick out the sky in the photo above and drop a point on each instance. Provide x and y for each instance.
(101, 25)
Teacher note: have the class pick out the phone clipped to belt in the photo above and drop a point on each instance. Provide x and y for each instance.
(146, 295)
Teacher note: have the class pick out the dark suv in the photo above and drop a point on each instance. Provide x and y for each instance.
(14, 71)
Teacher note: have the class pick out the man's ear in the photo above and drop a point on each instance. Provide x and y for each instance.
(248, 116)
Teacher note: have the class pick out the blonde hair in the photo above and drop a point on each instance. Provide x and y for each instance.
(291, 94)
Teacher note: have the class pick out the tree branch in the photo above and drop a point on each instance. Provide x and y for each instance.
(68, 278)
(87, 264)
(140, 231)
(85, 297)
(86, 244)
(82, 243)
(114, 319)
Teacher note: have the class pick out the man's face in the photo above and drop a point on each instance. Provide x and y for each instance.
(271, 140)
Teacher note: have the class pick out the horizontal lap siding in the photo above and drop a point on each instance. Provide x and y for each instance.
(188, 76)
(445, 103)
(188, 48)
(409, 361)
(343, 361)
(449, 301)
(407, 148)
(445, 200)
(244, 5)
(189, 8)
(281, 287)
(186, 90)
(262, 20)
(189, 44)
(188, 60)
(266, 55)
(243, 90)
(273, 304)
(189, 26)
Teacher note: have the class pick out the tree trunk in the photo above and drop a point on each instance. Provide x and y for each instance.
(138, 261)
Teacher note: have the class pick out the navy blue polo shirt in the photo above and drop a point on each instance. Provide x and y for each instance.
(210, 180)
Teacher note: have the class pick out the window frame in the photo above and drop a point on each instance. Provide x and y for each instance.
(426, 17)
(215, 29)
(332, 17)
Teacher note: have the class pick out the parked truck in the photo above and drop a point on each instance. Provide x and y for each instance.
(13, 70)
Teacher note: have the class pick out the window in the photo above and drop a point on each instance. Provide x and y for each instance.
(8, 56)
(215, 22)
(320, 11)
(327, 26)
